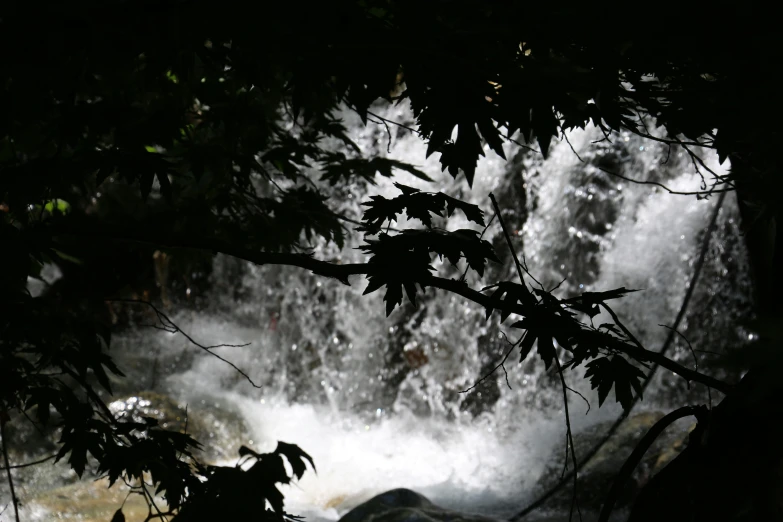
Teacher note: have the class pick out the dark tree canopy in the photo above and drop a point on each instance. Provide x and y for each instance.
(201, 125)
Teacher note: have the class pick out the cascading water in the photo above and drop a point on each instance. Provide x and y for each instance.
(377, 401)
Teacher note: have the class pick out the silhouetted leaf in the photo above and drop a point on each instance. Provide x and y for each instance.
(605, 373)
(165, 185)
(145, 184)
(546, 350)
(296, 457)
(511, 294)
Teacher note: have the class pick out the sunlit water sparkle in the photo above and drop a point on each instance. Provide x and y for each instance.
(321, 361)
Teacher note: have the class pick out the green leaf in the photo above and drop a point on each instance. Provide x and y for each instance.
(60, 205)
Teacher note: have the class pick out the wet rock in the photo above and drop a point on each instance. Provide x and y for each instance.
(732, 468)
(404, 505)
(88, 501)
(219, 428)
(597, 476)
(46, 491)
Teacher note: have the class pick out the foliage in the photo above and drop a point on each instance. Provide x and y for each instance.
(180, 125)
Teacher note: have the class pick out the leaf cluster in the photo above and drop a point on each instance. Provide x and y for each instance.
(549, 322)
(244, 493)
(402, 260)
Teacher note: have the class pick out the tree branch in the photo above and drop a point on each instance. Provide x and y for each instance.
(640, 450)
(170, 326)
(341, 273)
(569, 441)
(28, 464)
(664, 348)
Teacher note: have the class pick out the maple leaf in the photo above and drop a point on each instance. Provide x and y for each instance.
(588, 301)
(338, 168)
(605, 373)
(472, 212)
(510, 294)
(417, 205)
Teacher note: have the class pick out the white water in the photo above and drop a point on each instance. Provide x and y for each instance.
(334, 350)
(321, 351)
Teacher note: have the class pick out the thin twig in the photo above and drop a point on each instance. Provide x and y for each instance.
(28, 464)
(388, 132)
(341, 272)
(638, 453)
(668, 153)
(8, 467)
(697, 269)
(619, 323)
(565, 137)
(669, 141)
(520, 267)
(152, 501)
(398, 124)
(664, 187)
(169, 326)
(695, 359)
(582, 396)
(500, 365)
(519, 144)
(570, 441)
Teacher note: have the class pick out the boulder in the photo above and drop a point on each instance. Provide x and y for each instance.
(219, 428)
(404, 505)
(88, 501)
(732, 468)
(597, 476)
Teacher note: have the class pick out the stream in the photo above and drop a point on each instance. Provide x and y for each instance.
(378, 401)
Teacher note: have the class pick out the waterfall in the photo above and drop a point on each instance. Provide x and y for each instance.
(377, 401)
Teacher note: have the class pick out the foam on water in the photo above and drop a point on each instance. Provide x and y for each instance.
(322, 352)
(490, 463)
